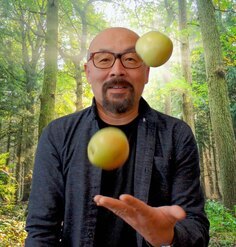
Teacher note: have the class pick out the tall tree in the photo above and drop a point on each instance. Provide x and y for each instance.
(218, 101)
(167, 77)
(80, 24)
(32, 41)
(20, 51)
(188, 114)
(50, 70)
(81, 10)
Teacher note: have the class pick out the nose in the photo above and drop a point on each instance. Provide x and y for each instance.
(117, 69)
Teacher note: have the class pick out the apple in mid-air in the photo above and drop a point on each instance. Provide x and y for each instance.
(108, 148)
(154, 47)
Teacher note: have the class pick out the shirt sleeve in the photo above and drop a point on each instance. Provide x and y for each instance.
(187, 193)
(46, 202)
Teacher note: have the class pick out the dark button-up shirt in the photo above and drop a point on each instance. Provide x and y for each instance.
(61, 208)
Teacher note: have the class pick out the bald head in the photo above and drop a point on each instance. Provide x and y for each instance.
(114, 39)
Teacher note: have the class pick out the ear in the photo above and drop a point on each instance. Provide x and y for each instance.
(85, 68)
(87, 71)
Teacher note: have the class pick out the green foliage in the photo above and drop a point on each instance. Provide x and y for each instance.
(7, 185)
(65, 100)
(226, 19)
(222, 225)
(168, 84)
(12, 223)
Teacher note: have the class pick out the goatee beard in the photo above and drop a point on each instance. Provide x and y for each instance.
(119, 104)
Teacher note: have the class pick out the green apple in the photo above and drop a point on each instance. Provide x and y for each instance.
(155, 48)
(108, 148)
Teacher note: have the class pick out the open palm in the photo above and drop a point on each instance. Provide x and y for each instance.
(155, 224)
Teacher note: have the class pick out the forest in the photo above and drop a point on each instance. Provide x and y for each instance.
(43, 48)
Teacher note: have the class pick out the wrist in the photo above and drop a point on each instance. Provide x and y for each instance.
(163, 245)
(172, 243)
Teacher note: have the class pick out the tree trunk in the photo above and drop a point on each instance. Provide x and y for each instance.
(219, 102)
(166, 77)
(18, 174)
(169, 6)
(188, 115)
(9, 141)
(50, 70)
(78, 59)
(167, 107)
(79, 87)
(208, 170)
(202, 169)
(214, 162)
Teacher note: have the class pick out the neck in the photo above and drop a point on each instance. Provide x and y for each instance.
(117, 118)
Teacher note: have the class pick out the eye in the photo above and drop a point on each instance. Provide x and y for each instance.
(103, 58)
(131, 58)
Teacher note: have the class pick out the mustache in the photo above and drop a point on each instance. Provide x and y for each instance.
(116, 81)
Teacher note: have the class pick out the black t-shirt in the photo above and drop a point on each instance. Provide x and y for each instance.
(111, 231)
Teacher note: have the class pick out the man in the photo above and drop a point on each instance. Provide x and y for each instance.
(154, 199)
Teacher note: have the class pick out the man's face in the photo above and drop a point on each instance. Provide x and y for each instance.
(116, 89)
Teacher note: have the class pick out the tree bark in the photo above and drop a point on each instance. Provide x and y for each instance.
(219, 102)
(202, 169)
(8, 141)
(50, 70)
(18, 171)
(188, 115)
(214, 163)
(208, 169)
(79, 87)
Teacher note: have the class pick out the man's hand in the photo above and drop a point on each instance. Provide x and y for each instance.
(155, 224)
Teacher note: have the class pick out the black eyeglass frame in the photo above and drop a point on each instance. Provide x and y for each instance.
(116, 55)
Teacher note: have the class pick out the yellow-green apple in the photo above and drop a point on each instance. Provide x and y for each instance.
(155, 48)
(108, 148)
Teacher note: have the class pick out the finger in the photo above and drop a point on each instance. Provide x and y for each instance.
(138, 206)
(134, 202)
(97, 199)
(116, 206)
(105, 201)
(130, 200)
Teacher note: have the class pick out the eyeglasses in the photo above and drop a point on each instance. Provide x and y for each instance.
(105, 60)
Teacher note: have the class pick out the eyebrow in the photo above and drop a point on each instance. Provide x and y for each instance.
(130, 49)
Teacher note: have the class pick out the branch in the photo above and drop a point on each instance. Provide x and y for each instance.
(32, 30)
(225, 10)
(13, 76)
(33, 12)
